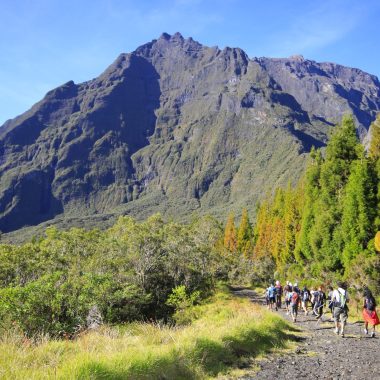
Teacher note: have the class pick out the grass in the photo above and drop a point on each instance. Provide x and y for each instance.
(227, 331)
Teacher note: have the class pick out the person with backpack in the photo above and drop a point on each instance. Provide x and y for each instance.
(340, 299)
(298, 291)
(296, 288)
(271, 293)
(266, 295)
(305, 297)
(293, 297)
(369, 312)
(319, 302)
(287, 290)
(312, 300)
(330, 302)
(278, 295)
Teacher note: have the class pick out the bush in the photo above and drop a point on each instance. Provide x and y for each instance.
(227, 331)
(127, 272)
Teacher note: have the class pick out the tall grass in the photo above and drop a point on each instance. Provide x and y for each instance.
(226, 330)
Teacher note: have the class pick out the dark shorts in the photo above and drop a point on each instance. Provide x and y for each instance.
(340, 314)
(271, 299)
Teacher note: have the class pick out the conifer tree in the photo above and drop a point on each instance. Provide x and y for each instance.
(245, 231)
(230, 239)
(374, 148)
(325, 235)
(248, 250)
(359, 210)
(292, 218)
(374, 154)
(311, 189)
(262, 231)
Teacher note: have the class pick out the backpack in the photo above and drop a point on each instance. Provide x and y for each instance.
(319, 298)
(342, 300)
(305, 296)
(279, 290)
(370, 305)
(294, 298)
(271, 292)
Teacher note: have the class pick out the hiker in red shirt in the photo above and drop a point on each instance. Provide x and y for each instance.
(369, 312)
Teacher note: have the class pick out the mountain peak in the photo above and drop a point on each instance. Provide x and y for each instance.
(297, 57)
(176, 127)
(175, 37)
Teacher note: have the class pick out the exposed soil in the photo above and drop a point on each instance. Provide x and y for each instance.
(321, 354)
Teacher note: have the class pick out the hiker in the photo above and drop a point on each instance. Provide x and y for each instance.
(266, 297)
(312, 300)
(369, 312)
(288, 289)
(340, 299)
(278, 295)
(293, 304)
(296, 288)
(271, 292)
(305, 297)
(319, 302)
(330, 303)
(298, 291)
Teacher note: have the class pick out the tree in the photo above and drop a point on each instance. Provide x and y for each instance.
(359, 210)
(374, 147)
(230, 238)
(244, 233)
(374, 155)
(325, 235)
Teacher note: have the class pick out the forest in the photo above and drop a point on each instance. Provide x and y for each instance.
(326, 228)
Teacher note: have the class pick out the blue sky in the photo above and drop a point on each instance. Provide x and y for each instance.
(45, 43)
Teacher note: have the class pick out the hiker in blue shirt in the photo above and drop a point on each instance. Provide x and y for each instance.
(271, 294)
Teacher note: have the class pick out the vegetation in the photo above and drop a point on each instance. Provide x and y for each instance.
(324, 229)
(127, 273)
(147, 282)
(226, 330)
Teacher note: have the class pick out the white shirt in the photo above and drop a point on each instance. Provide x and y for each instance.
(336, 296)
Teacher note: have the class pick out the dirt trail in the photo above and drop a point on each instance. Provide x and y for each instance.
(321, 354)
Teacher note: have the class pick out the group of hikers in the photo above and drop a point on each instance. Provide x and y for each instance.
(336, 300)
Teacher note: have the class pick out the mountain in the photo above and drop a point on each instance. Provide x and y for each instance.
(175, 127)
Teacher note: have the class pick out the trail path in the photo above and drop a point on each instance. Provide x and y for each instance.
(321, 354)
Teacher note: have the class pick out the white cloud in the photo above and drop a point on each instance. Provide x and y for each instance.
(320, 27)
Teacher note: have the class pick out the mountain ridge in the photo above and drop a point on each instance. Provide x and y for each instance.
(175, 127)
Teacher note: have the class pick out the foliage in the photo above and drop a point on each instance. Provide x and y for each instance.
(374, 148)
(183, 303)
(127, 272)
(244, 234)
(230, 238)
(227, 330)
(325, 227)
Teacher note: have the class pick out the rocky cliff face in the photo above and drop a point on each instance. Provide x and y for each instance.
(175, 127)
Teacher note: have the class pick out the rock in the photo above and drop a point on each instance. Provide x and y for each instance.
(173, 127)
(94, 318)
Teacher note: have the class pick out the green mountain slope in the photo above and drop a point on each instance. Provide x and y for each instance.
(175, 127)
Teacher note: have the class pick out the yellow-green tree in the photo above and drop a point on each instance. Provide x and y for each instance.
(230, 238)
(244, 233)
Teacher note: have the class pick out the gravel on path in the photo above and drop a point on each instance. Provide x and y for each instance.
(321, 354)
